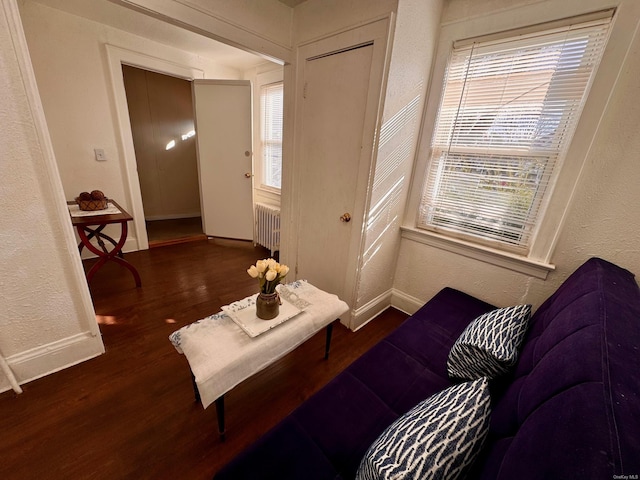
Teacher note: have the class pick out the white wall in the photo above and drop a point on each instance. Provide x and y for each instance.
(259, 26)
(270, 19)
(602, 219)
(70, 62)
(315, 19)
(271, 29)
(75, 86)
(415, 31)
(47, 320)
(318, 21)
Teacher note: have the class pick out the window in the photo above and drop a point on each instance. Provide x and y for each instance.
(271, 115)
(508, 111)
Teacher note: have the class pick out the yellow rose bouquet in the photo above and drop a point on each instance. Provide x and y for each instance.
(269, 273)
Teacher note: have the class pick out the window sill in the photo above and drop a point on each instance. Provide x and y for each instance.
(478, 252)
(267, 189)
(262, 194)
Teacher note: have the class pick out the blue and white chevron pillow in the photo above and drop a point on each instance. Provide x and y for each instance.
(436, 439)
(489, 346)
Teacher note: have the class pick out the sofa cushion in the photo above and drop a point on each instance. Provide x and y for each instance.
(437, 438)
(429, 333)
(346, 416)
(570, 408)
(406, 367)
(489, 346)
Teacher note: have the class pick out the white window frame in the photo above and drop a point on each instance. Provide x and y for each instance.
(537, 262)
(262, 80)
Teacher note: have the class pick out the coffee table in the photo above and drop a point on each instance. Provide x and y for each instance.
(221, 354)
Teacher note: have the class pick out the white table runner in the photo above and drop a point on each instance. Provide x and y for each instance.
(75, 211)
(221, 354)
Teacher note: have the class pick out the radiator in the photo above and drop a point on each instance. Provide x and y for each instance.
(267, 226)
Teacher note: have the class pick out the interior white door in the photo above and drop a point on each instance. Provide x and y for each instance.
(336, 90)
(222, 110)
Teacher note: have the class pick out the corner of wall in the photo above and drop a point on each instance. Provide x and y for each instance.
(53, 357)
(52, 322)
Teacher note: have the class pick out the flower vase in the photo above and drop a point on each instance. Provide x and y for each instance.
(267, 305)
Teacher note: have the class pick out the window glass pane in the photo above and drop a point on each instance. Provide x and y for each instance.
(273, 167)
(272, 101)
(508, 111)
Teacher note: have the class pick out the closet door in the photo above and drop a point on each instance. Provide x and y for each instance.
(338, 112)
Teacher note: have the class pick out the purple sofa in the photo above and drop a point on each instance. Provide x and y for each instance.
(570, 408)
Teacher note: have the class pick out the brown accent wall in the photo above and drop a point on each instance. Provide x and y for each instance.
(161, 110)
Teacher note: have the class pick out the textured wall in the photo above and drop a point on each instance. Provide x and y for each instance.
(75, 87)
(45, 300)
(319, 23)
(602, 219)
(314, 19)
(416, 31)
(271, 18)
(259, 26)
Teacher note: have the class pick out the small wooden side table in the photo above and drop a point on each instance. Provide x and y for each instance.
(91, 224)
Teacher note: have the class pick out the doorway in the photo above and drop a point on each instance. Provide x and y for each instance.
(162, 125)
(116, 58)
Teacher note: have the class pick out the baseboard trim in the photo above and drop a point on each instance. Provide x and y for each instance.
(391, 298)
(370, 310)
(405, 303)
(175, 241)
(175, 216)
(52, 357)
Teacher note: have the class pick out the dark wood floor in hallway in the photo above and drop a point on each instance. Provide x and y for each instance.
(130, 413)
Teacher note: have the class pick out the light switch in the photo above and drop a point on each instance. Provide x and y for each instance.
(100, 155)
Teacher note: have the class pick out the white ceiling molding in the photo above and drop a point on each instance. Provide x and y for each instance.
(132, 21)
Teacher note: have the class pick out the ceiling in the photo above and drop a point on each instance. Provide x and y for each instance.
(122, 18)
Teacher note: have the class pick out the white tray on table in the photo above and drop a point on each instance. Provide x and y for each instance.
(243, 312)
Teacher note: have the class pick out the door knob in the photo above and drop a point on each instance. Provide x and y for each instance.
(248, 175)
(345, 218)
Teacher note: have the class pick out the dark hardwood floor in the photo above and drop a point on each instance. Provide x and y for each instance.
(130, 413)
(168, 232)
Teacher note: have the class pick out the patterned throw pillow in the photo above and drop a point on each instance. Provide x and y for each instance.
(436, 439)
(489, 346)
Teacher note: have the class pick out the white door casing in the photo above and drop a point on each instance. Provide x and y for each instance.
(222, 110)
(116, 57)
(342, 80)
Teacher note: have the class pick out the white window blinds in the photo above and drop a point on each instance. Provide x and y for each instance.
(271, 102)
(506, 117)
